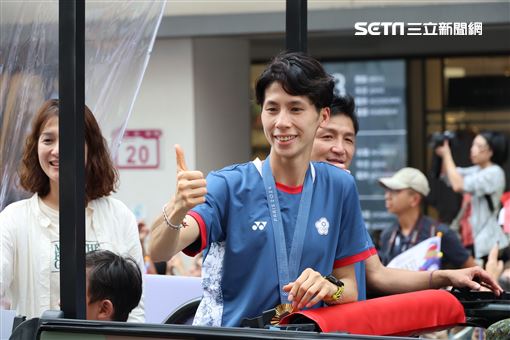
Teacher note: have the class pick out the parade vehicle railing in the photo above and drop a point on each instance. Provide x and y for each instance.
(53, 329)
(389, 317)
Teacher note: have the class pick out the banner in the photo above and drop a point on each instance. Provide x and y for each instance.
(424, 256)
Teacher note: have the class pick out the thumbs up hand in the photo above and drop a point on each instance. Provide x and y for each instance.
(191, 186)
(180, 160)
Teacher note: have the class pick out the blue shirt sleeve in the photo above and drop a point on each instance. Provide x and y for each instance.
(213, 212)
(354, 245)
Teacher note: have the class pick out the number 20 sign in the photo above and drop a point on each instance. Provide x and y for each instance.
(139, 150)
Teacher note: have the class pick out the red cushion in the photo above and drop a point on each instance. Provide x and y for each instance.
(401, 314)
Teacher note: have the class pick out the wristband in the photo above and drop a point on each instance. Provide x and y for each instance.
(170, 224)
(430, 279)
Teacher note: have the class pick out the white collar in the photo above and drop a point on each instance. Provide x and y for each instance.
(258, 164)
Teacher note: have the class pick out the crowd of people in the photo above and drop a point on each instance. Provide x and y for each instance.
(284, 231)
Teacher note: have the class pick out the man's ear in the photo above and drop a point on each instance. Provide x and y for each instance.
(324, 115)
(106, 311)
(416, 199)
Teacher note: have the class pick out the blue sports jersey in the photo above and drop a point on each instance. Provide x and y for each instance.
(239, 273)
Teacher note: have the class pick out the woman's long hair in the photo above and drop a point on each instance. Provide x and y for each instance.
(101, 176)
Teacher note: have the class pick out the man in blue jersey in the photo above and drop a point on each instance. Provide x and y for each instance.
(278, 231)
(335, 143)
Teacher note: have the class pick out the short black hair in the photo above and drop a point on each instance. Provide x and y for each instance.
(115, 278)
(498, 143)
(299, 75)
(344, 106)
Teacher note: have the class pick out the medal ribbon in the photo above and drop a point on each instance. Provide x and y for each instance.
(287, 270)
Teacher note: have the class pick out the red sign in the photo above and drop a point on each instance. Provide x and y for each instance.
(139, 150)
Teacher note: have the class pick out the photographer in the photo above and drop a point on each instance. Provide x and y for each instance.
(485, 182)
(442, 197)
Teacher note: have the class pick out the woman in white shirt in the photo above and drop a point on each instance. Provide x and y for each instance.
(30, 250)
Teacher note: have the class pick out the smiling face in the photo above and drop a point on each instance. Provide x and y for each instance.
(290, 122)
(47, 150)
(335, 142)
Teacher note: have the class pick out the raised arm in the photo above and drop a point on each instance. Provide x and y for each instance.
(167, 238)
(449, 167)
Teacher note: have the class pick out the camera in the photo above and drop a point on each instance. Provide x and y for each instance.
(437, 138)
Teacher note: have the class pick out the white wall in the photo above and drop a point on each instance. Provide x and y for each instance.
(197, 92)
(222, 102)
(165, 102)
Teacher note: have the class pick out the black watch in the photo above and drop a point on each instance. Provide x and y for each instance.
(334, 280)
(339, 288)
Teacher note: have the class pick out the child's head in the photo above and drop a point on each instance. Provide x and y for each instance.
(114, 286)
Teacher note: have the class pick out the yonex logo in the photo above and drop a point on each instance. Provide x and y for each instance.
(260, 225)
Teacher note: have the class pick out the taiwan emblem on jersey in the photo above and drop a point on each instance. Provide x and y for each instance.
(322, 226)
